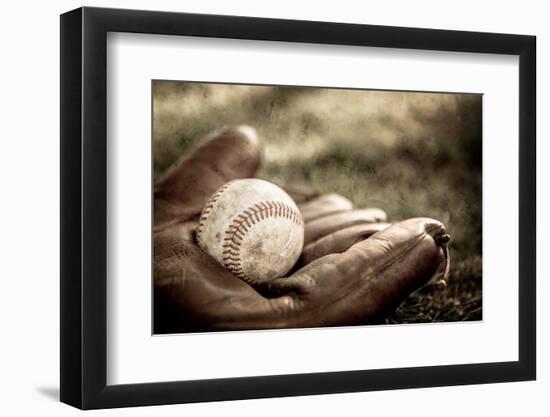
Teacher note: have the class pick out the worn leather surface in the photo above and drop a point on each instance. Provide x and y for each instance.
(354, 269)
(339, 241)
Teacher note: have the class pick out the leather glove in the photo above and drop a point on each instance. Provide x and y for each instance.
(354, 269)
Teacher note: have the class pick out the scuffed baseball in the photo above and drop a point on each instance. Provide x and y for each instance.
(253, 228)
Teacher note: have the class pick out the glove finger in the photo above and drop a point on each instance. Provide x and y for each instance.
(372, 277)
(224, 155)
(323, 226)
(323, 206)
(339, 241)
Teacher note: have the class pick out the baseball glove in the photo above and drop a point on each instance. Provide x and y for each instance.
(355, 268)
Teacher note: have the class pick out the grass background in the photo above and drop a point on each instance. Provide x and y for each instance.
(411, 154)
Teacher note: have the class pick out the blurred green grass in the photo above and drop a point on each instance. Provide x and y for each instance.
(411, 154)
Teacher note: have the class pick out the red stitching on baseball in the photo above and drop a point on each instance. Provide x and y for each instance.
(243, 222)
(209, 206)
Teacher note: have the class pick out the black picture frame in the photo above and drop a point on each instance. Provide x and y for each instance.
(84, 207)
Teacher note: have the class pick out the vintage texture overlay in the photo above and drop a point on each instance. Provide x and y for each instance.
(410, 154)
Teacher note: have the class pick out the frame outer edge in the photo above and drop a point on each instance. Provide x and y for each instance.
(83, 208)
(94, 209)
(70, 204)
(527, 205)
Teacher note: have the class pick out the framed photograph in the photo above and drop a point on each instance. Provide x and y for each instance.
(258, 208)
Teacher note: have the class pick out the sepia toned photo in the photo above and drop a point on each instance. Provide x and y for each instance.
(285, 207)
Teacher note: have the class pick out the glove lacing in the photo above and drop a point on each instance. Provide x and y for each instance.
(443, 242)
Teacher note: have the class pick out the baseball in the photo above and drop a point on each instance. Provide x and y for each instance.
(253, 228)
